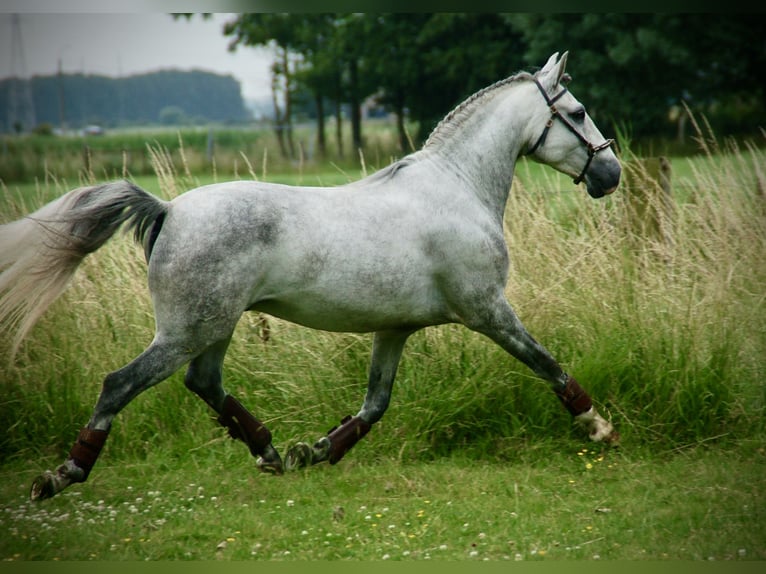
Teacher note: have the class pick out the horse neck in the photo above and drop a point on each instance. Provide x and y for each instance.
(480, 146)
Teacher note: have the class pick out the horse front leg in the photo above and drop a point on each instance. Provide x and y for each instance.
(503, 326)
(386, 352)
(580, 406)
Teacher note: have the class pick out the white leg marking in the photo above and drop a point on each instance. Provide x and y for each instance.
(598, 427)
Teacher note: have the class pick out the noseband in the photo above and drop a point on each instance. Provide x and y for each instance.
(592, 150)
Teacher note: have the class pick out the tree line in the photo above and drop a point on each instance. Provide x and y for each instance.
(171, 96)
(637, 72)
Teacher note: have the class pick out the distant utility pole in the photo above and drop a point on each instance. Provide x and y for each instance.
(62, 107)
(21, 109)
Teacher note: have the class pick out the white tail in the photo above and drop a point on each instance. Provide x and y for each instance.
(40, 253)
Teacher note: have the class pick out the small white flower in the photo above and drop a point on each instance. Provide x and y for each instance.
(290, 503)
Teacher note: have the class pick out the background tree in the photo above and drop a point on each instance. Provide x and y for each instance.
(395, 59)
(632, 68)
(461, 53)
(284, 32)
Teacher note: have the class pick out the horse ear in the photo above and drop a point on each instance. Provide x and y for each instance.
(562, 65)
(549, 65)
(552, 73)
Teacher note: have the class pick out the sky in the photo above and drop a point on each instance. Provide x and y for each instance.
(124, 44)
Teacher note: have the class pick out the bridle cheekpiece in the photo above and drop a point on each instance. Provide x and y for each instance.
(592, 150)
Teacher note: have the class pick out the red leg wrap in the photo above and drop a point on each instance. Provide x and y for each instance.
(342, 438)
(574, 398)
(244, 426)
(86, 449)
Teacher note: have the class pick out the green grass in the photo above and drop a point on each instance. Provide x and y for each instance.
(558, 502)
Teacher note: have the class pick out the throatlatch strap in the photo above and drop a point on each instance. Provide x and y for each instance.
(86, 449)
(574, 398)
(244, 426)
(342, 438)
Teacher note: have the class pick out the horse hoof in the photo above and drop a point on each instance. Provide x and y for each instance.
(613, 439)
(270, 466)
(43, 487)
(299, 455)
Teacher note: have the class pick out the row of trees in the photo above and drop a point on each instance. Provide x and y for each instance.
(631, 69)
(171, 96)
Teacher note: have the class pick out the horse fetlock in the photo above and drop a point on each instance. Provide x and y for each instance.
(599, 429)
(301, 454)
(48, 484)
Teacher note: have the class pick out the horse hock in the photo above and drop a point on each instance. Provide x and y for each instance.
(245, 427)
(580, 406)
(76, 468)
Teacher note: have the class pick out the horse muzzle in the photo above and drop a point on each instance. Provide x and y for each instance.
(602, 180)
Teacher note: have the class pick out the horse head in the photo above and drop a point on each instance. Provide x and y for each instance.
(562, 134)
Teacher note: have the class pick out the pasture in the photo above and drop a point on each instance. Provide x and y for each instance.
(475, 459)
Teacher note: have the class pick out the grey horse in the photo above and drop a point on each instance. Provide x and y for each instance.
(418, 243)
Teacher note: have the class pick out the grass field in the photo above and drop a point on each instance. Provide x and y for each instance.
(475, 459)
(554, 502)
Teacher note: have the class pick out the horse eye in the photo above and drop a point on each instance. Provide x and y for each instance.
(578, 115)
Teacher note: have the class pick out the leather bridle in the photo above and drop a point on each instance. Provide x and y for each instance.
(592, 150)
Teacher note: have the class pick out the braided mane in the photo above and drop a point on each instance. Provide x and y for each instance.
(456, 117)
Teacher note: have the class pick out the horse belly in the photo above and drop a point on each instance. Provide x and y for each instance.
(364, 309)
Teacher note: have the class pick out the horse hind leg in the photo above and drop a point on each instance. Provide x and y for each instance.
(155, 364)
(204, 377)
